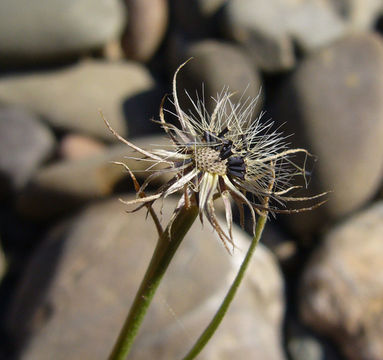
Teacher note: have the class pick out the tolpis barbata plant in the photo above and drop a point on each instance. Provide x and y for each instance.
(225, 155)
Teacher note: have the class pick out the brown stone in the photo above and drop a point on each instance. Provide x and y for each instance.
(77, 289)
(332, 104)
(342, 286)
(146, 28)
(66, 185)
(77, 146)
(70, 98)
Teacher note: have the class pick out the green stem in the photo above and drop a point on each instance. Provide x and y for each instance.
(218, 317)
(166, 247)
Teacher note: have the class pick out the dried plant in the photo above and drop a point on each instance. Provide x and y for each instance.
(224, 155)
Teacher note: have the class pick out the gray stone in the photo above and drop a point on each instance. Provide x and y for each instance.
(359, 15)
(333, 105)
(69, 98)
(311, 348)
(148, 21)
(313, 24)
(304, 347)
(24, 145)
(269, 29)
(342, 286)
(44, 29)
(78, 287)
(64, 186)
(303, 344)
(216, 65)
(262, 30)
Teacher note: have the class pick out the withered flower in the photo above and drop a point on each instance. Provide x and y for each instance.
(226, 154)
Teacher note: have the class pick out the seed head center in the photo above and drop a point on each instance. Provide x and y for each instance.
(208, 159)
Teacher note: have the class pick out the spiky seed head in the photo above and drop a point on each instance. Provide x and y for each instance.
(227, 154)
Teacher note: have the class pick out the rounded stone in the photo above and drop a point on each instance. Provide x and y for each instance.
(78, 287)
(272, 29)
(76, 146)
(146, 28)
(25, 143)
(261, 30)
(342, 286)
(64, 186)
(217, 65)
(45, 29)
(333, 105)
(70, 98)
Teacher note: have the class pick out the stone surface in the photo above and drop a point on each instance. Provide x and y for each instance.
(112, 51)
(269, 29)
(52, 28)
(332, 104)
(66, 185)
(303, 344)
(216, 65)
(69, 98)
(261, 29)
(360, 15)
(342, 286)
(77, 289)
(313, 24)
(76, 146)
(146, 28)
(304, 348)
(24, 144)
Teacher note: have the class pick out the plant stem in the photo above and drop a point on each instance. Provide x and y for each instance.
(166, 247)
(218, 317)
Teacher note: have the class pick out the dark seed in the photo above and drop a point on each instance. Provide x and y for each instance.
(235, 160)
(206, 136)
(238, 174)
(236, 166)
(223, 132)
(210, 137)
(225, 151)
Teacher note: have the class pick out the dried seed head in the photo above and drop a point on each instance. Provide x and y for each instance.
(227, 154)
(208, 160)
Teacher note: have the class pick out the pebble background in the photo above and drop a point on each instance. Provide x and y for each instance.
(71, 258)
